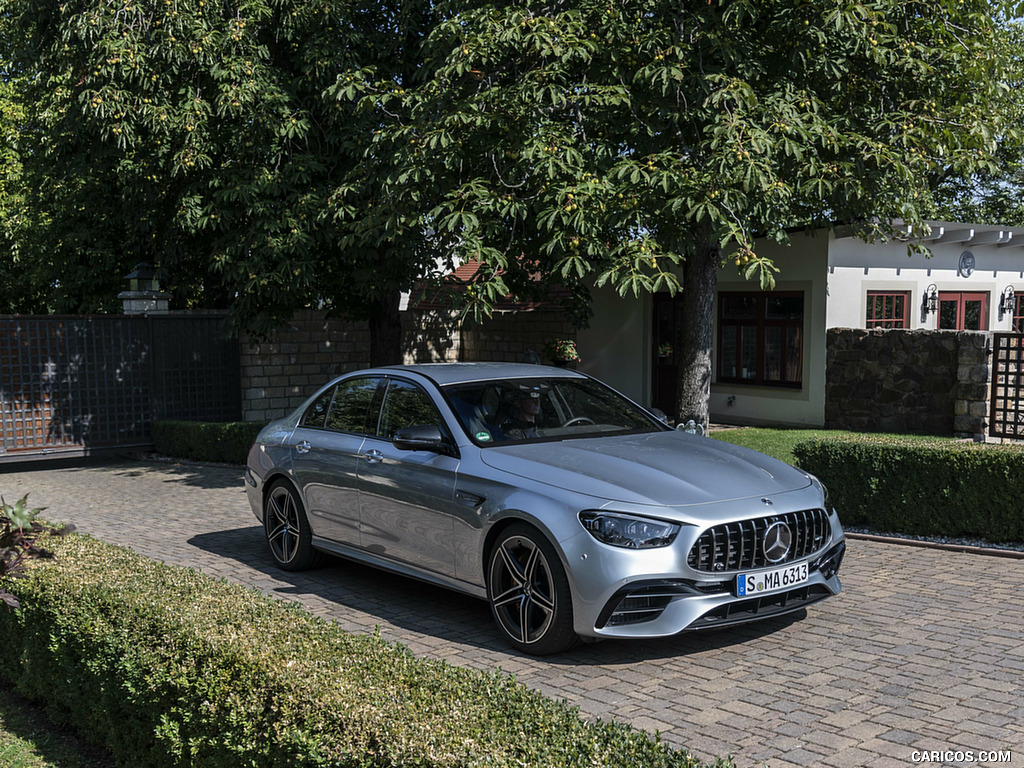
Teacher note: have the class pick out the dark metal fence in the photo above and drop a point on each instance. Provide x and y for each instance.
(76, 383)
(1006, 418)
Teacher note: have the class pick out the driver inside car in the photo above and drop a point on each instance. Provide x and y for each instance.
(521, 423)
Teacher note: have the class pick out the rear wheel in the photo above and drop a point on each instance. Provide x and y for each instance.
(529, 592)
(287, 529)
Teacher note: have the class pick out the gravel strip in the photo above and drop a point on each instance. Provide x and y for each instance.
(1012, 549)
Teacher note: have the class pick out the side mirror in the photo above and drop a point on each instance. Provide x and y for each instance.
(423, 437)
(660, 415)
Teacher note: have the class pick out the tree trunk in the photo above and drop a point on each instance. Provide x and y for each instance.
(386, 331)
(700, 278)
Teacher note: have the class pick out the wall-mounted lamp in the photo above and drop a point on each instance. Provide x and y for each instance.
(930, 302)
(1008, 303)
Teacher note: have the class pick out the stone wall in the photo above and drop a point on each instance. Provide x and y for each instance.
(278, 374)
(927, 382)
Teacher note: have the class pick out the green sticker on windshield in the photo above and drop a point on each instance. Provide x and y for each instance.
(483, 437)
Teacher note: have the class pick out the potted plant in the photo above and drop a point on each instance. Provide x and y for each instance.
(562, 352)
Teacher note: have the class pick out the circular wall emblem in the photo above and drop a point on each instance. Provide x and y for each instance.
(966, 264)
(777, 541)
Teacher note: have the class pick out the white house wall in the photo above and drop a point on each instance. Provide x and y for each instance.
(615, 348)
(802, 267)
(856, 268)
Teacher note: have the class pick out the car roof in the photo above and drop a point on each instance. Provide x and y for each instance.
(456, 373)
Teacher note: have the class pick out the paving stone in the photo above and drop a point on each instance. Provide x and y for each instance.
(924, 649)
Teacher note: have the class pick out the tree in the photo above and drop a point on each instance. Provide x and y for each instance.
(200, 137)
(640, 143)
(992, 195)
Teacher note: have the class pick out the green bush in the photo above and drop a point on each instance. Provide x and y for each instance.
(920, 487)
(226, 442)
(164, 666)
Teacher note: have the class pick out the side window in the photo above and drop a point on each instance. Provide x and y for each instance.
(406, 405)
(316, 414)
(350, 408)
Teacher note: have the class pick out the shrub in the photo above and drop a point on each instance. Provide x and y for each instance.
(919, 487)
(226, 442)
(166, 667)
(19, 542)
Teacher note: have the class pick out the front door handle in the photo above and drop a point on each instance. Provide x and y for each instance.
(373, 456)
(303, 447)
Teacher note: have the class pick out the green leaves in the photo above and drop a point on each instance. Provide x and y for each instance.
(19, 534)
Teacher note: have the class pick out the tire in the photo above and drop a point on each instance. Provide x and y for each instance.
(529, 592)
(287, 529)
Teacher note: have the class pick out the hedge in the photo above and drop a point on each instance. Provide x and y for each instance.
(226, 442)
(164, 666)
(922, 488)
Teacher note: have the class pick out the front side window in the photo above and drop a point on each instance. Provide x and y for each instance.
(887, 309)
(760, 338)
(405, 405)
(1018, 314)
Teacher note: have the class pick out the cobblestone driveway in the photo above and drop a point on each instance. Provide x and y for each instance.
(924, 650)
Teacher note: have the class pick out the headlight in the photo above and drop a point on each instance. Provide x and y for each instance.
(628, 531)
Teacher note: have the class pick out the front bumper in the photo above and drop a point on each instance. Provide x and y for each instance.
(655, 593)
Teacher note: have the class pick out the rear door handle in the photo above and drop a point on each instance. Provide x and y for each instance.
(303, 447)
(373, 456)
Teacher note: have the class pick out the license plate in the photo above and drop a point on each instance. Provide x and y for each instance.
(769, 581)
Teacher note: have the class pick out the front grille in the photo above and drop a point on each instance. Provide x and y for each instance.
(740, 546)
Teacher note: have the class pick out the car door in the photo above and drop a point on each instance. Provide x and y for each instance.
(326, 448)
(406, 497)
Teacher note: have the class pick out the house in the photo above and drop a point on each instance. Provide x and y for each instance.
(770, 348)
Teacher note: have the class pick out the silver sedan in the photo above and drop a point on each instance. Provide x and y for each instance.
(574, 512)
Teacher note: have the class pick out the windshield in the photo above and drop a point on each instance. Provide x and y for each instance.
(502, 411)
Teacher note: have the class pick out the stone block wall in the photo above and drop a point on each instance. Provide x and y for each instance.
(514, 337)
(926, 382)
(279, 374)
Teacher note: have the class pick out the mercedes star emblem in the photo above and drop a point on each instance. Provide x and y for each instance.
(777, 541)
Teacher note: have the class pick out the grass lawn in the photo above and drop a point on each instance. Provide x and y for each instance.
(779, 443)
(29, 740)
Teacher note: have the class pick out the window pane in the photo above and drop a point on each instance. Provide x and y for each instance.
(748, 352)
(728, 352)
(972, 315)
(406, 405)
(947, 315)
(794, 355)
(784, 308)
(773, 353)
(738, 307)
(351, 406)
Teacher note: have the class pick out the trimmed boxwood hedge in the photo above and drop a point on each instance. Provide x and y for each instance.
(164, 666)
(225, 442)
(918, 487)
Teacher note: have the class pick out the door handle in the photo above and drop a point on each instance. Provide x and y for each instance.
(303, 447)
(373, 456)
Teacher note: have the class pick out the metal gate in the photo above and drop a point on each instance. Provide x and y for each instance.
(77, 383)
(1006, 419)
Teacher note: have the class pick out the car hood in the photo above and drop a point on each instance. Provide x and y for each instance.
(664, 468)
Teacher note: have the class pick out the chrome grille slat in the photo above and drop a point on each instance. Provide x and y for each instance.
(737, 546)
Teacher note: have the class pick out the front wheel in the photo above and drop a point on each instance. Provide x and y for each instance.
(529, 592)
(287, 529)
